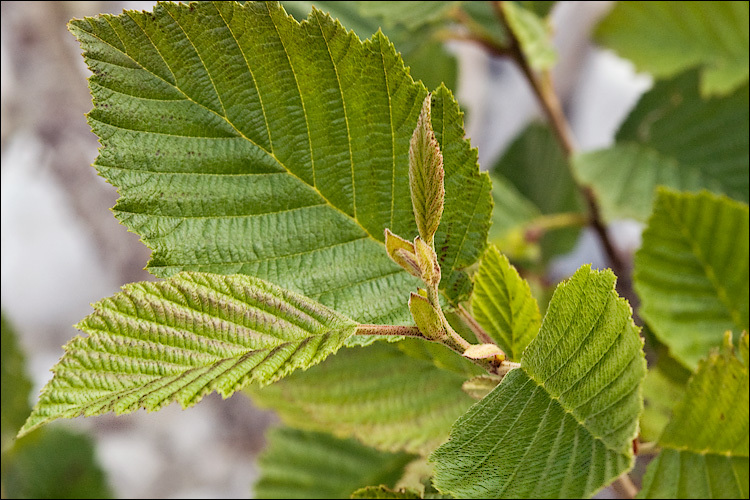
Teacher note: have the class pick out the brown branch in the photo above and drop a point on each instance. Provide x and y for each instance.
(403, 331)
(482, 336)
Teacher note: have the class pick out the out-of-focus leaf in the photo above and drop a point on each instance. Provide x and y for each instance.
(666, 38)
(300, 464)
(691, 272)
(15, 384)
(532, 34)
(53, 463)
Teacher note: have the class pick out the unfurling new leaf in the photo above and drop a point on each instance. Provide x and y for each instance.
(426, 175)
(428, 320)
(179, 339)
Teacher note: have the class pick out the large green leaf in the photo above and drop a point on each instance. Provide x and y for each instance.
(666, 38)
(242, 141)
(379, 394)
(705, 446)
(179, 339)
(691, 272)
(676, 138)
(502, 303)
(663, 387)
(562, 424)
(299, 464)
(411, 14)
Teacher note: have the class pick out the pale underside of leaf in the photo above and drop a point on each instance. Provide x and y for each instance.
(179, 339)
(562, 424)
(244, 142)
(691, 272)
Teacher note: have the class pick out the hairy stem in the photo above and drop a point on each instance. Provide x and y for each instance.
(624, 486)
(401, 331)
(482, 336)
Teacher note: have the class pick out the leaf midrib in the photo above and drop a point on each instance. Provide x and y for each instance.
(223, 117)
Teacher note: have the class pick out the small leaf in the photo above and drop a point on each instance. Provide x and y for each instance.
(179, 339)
(300, 464)
(691, 272)
(484, 351)
(503, 305)
(481, 385)
(428, 262)
(402, 253)
(532, 34)
(705, 447)
(561, 425)
(426, 175)
(380, 394)
(426, 318)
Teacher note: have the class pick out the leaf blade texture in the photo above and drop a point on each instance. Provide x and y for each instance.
(301, 464)
(179, 339)
(691, 272)
(705, 448)
(405, 396)
(503, 305)
(244, 142)
(665, 38)
(561, 425)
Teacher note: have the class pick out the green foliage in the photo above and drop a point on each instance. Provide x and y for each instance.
(666, 38)
(709, 152)
(179, 339)
(300, 464)
(692, 272)
(705, 447)
(294, 181)
(502, 303)
(15, 385)
(231, 143)
(562, 424)
(403, 397)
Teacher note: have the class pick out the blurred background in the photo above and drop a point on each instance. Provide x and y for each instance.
(62, 249)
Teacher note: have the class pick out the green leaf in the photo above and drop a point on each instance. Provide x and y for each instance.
(426, 318)
(691, 272)
(424, 54)
(532, 34)
(503, 305)
(410, 14)
(709, 151)
(561, 425)
(242, 141)
(383, 491)
(179, 339)
(666, 38)
(54, 463)
(426, 175)
(15, 383)
(705, 446)
(299, 464)
(511, 215)
(663, 387)
(379, 394)
(536, 166)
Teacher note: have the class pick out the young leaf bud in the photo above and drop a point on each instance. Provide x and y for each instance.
(427, 261)
(401, 252)
(426, 175)
(426, 317)
(485, 351)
